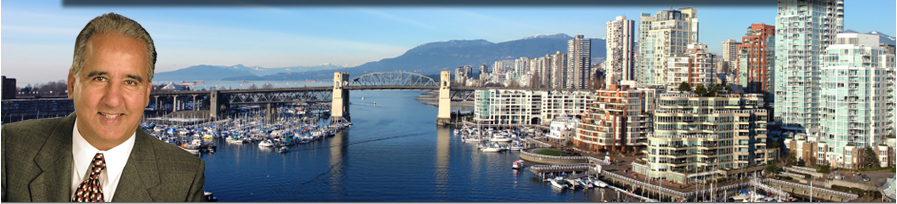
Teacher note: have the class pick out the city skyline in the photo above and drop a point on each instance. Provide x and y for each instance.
(38, 36)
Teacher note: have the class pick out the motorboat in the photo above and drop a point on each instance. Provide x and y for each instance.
(561, 183)
(598, 183)
(209, 196)
(283, 150)
(500, 138)
(234, 140)
(517, 164)
(266, 143)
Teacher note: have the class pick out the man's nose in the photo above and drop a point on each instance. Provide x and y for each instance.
(113, 95)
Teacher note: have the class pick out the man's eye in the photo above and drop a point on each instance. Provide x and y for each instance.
(99, 78)
(131, 82)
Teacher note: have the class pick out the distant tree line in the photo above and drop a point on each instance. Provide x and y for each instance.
(53, 88)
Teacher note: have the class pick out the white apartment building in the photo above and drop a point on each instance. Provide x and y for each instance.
(666, 34)
(508, 106)
(558, 68)
(856, 97)
(803, 30)
(695, 66)
(620, 46)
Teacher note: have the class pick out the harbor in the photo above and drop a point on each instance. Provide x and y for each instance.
(300, 153)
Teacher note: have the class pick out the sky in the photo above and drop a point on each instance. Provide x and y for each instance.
(37, 37)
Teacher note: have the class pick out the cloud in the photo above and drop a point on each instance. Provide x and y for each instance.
(396, 18)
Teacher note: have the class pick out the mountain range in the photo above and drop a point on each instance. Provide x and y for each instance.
(429, 58)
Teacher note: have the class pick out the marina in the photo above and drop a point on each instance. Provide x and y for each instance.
(303, 157)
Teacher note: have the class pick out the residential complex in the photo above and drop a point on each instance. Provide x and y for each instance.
(616, 121)
(694, 66)
(508, 106)
(756, 57)
(803, 29)
(694, 135)
(620, 47)
(856, 96)
(667, 33)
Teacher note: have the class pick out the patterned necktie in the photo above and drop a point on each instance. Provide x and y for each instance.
(90, 190)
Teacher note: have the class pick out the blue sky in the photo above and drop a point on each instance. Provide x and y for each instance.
(37, 37)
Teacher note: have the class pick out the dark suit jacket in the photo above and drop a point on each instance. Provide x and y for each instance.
(37, 166)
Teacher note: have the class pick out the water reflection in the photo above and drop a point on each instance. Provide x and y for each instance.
(443, 148)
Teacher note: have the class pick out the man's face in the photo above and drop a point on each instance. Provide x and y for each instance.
(111, 90)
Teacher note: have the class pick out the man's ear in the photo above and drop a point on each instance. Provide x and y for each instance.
(70, 84)
(149, 90)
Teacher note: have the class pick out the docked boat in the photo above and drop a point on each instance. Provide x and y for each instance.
(266, 143)
(234, 140)
(283, 150)
(561, 183)
(517, 164)
(500, 138)
(598, 183)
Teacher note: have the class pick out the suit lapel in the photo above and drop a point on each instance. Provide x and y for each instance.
(140, 174)
(54, 182)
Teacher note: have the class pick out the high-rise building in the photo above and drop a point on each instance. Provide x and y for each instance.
(558, 70)
(462, 74)
(579, 62)
(803, 29)
(666, 34)
(620, 62)
(695, 66)
(756, 57)
(856, 98)
(729, 50)
(694, 136)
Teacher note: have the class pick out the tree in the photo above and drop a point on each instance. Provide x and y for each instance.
(772, 168)
(700, 90)
(870, 158)
(684, 86)
(824, 169)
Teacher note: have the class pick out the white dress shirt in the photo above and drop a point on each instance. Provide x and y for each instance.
(83, 153)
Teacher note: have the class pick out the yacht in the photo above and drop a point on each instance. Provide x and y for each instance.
(266, 143)
(502, 137)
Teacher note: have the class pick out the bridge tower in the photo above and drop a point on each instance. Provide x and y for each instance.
(445, 99)
(339, 109)
(213, 104)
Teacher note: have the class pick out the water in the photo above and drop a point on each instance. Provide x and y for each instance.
(394, 152)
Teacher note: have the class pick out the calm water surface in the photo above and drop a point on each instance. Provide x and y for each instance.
(393, 152)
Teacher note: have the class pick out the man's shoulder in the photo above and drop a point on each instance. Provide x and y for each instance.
(169, 153)
(30, 130)
(33, 125)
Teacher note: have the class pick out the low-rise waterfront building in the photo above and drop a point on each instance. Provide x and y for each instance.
(509, 106)
(616, 121)
(562, 128)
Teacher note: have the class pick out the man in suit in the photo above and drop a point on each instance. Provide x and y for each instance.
(99, 153)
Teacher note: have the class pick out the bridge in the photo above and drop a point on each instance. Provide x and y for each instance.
(338, 94)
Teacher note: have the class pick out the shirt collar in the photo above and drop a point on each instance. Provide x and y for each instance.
(115, 158)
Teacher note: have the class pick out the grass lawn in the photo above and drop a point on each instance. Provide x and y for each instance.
(550, 152)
